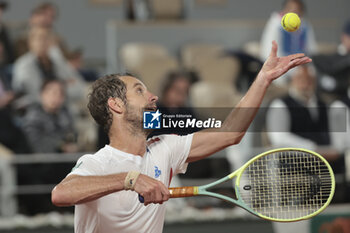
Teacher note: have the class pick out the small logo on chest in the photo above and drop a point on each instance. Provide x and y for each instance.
(157, 172)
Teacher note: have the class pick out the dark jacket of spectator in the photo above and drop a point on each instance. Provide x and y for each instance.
(47, 132)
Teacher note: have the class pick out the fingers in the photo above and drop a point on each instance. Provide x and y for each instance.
(157, 193)
(295, 56)
(274, 48)
(152, 191)
(296, 62)
(165, 192)
(158, 196)
(299, 61)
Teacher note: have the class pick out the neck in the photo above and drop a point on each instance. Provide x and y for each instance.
(127, 140)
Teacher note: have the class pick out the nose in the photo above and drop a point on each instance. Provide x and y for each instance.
(153, 98)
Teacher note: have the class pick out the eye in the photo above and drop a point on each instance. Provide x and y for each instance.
(139, 90)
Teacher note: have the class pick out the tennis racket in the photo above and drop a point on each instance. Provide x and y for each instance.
(284, 185)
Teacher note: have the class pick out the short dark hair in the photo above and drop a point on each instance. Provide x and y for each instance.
(43, 7)
(3, 5)
(173, 76)
(300, 2)
(102, 89)
(346, 27)
(49, 81)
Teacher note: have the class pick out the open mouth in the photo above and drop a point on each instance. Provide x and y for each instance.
(151, 108)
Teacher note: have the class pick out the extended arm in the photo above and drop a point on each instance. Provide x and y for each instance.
(238, 121)
(76, 189)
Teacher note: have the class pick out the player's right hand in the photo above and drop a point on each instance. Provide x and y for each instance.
(152, 190)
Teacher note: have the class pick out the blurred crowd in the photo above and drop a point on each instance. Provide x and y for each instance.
(44, 84)
(42, 87)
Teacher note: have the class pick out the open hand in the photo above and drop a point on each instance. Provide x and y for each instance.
(275, 66)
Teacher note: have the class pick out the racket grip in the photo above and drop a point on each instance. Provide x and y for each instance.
(178, 192)
(183, 192)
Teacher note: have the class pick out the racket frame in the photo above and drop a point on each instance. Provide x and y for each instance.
(203, 189)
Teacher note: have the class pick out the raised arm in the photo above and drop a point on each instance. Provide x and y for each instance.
(238, 121)
(76, 189)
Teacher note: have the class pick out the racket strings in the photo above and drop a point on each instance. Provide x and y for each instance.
(286, 185)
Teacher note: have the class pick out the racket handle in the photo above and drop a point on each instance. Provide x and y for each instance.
(183, 191)
(178, 192)
(141, 199)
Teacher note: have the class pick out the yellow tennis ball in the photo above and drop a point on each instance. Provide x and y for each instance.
(290, 22)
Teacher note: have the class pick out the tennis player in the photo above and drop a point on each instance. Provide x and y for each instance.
(104, 187)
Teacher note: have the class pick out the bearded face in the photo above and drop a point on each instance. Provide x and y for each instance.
(138, 100)
(134, 117)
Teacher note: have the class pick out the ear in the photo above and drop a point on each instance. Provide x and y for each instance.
(116, 105)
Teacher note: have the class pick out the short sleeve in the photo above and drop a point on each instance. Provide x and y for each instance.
(87, 165)
(179, 149)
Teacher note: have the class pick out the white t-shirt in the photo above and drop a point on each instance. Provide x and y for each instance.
(278, 125)
(121, 211)
(339, 114)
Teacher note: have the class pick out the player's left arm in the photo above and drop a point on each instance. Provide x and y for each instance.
(205, 143)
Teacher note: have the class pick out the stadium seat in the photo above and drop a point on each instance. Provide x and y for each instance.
(191, 54)
(252, 48)
(166, 9)
(133, 54)
(209, 95)
(153, 70)
(211, 63)
(149, 61)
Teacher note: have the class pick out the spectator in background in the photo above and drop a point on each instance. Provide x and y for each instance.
(300, 119)
(43, 62)
(43, 15)
(339, 116)
(137, 10)
(48, 124)
(7, 55)
(300, 41)
(75, 59)
(340, 123)
(36, 19)
(300, 116)
(335, 68)
(175, 88)
(11, 136)
(174, 98)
